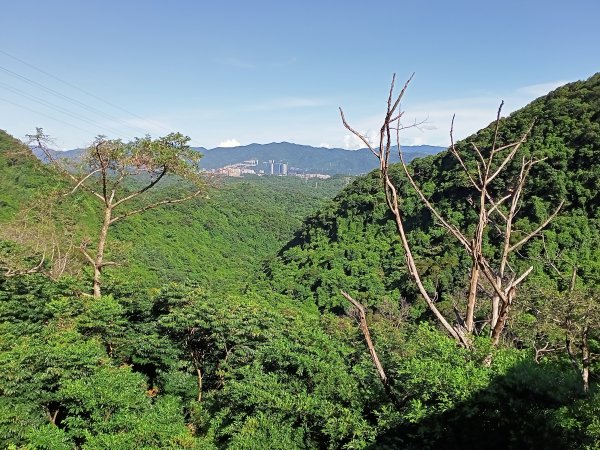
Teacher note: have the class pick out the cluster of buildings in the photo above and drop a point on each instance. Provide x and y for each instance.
(270, 167)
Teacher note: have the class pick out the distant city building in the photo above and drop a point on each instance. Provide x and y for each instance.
(275, 168)
(269, 167)
(252, 167)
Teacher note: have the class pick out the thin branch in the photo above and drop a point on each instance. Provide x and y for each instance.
(510, 155)
(515, 283)
(400, 95)
(155, 205)
(141, 191)
(480, 156)
(83, 180)
(456, 154)
(60, 167)
(373, 353)
(497, 126)
(103, 169)
(357, 134)
(455, 231)
(496, 205)
(538, 229)
(87, 256)
(109, 263)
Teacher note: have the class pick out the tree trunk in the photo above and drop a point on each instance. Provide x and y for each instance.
(585, 360)
(502, 317)
(495, 309)
(199, 372)
(472, 296)
(373, 353)
(99, 260)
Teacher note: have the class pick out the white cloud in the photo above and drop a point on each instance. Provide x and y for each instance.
(230, 143)
(352, 142)
(537, 90)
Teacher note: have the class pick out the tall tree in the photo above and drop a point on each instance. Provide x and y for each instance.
(108, 164)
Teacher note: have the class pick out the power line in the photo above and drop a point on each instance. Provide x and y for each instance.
(156, 124)
(45, 115)
(59, 109)
(75, 101)
(63, 96)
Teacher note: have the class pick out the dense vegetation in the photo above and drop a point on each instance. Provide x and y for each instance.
(224, 329)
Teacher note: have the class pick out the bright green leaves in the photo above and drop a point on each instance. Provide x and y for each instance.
(111, 408)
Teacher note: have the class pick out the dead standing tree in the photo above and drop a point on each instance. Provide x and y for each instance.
(107, 166)
(489, 166)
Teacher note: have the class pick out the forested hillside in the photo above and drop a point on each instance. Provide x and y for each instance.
(221, 323)
(218, 240)
(353, 242)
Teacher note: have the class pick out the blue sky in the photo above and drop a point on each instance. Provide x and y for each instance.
(268, 71)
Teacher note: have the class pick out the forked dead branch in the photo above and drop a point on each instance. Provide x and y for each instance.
(491, 164)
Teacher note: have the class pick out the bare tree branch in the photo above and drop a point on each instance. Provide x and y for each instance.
(156, 205)
(374, 357)
(539, 228)
(144, 189)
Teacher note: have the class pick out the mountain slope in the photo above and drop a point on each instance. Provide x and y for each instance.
(352, 244)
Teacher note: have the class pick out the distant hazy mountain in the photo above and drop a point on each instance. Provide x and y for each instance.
(303, 157)
(66, 154)
(308, 159)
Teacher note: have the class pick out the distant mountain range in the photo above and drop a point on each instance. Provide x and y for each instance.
(308, 159)
(74, 154)
(304, 158)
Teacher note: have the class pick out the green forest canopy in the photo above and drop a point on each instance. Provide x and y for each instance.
(191, 348)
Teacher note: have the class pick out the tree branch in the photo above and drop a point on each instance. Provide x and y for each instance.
(141, 191)
(538, 229)
(79, 183)
(374, 357)
(154, 205)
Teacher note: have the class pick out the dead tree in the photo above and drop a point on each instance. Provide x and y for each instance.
(107, 166)
(364, 328)
(580, 316)
(489, 166)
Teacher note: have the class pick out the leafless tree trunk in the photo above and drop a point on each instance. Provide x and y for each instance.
(199, 374)
(367, 335)
(585, 360)
(364, 328)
